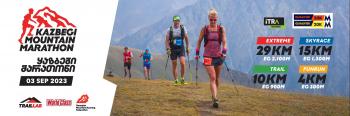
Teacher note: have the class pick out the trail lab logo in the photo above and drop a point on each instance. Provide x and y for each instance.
(313, 20)
(30, 102)
(81, 103)
(46, 30)
(274, 22)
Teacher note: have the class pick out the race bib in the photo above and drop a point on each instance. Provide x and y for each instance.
(207, 61)
(146, 61)
(178, 41)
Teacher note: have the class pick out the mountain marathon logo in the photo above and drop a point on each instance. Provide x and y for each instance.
(313, 20)
(81, 103)
(46, 30)
(30, 102)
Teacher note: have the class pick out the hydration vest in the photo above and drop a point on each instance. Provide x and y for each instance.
(206, 34)
(172, 38)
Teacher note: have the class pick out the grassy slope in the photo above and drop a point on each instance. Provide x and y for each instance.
(160, 97)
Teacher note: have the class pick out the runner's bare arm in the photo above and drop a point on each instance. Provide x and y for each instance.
(131, 55)
(187, 43)
(224, 43)
(167, 41)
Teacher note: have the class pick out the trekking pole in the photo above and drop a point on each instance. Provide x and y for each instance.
(196, 71)
(150, 78)
(166, 65)
(189, 67)
(228, 70)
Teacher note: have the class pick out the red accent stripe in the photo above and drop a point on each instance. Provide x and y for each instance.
(275, 40)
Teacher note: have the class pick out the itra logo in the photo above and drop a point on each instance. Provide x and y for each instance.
(81, 103)
(30, 102)
(313, 20)
(46, 30)
(274, 22)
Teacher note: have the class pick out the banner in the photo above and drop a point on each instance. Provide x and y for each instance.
(167, 57)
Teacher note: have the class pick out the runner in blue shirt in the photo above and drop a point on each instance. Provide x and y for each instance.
(147, 58)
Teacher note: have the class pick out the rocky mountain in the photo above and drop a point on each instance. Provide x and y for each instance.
(137, 14)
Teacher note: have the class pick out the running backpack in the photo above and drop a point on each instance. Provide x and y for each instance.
(171, 34)
(206, 34)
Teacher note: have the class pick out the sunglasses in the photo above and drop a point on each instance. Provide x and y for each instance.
(213, 19)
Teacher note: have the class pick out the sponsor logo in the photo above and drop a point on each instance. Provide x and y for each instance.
(58, 102)
(30, 102)
(82, 104)
(274, 22)
(313, 20)
(83, 99)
